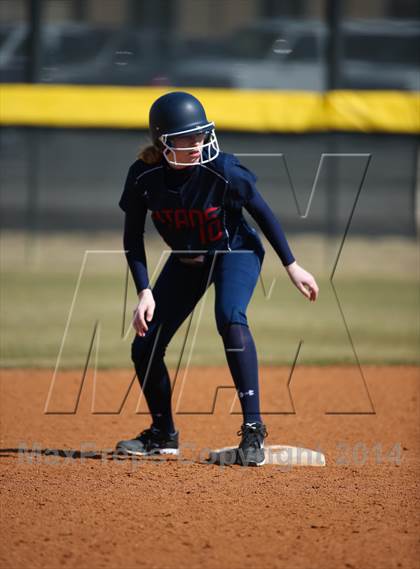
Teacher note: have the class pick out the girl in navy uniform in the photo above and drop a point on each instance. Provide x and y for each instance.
(196, 195)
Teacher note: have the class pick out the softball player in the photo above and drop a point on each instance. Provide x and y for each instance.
(196, 194)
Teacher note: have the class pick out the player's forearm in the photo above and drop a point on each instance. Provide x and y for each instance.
(135, 254)
(138, 271)
(271, 228)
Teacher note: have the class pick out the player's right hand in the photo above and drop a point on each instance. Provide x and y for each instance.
(144, 311)
(303, 281)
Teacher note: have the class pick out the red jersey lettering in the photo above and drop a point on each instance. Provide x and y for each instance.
(210, 212)
(206, 221)
(168, 213)
(181, 218)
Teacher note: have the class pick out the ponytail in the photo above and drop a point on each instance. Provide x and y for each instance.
(150, 154)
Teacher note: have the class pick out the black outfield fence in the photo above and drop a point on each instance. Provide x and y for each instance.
(71, 179)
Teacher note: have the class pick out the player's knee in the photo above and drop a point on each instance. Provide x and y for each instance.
(138, 349)
(143, 347)
(225, 317)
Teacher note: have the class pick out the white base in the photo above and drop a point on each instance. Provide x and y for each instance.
(280, 455)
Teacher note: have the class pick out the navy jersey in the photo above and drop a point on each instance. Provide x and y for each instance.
(196, 209)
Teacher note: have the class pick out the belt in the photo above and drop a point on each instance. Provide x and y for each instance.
(198, 260)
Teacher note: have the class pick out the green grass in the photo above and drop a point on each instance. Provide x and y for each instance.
(380, 308)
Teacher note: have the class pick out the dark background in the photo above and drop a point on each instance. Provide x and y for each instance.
(70, 179)
(65, 179)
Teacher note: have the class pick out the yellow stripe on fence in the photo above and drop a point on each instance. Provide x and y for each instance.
(252, 111)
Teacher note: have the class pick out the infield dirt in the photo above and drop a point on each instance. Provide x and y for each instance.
(67, 502)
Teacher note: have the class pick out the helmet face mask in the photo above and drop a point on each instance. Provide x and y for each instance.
(180, 114)
(208, 149)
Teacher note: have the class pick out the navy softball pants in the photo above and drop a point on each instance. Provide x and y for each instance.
(177, 290)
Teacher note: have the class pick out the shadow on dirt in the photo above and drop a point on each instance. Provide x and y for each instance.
(51, 456)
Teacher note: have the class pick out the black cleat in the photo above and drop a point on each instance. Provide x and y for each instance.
(251, 447)
(148, 442)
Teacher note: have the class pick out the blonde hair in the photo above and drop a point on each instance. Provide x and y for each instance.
(151, 154)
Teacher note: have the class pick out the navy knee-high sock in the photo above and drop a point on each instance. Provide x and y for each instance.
(241, 356)
(156, 388)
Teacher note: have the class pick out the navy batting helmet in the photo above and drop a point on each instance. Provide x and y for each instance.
(180, 114)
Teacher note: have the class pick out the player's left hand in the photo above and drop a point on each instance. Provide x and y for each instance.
(303, 280)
